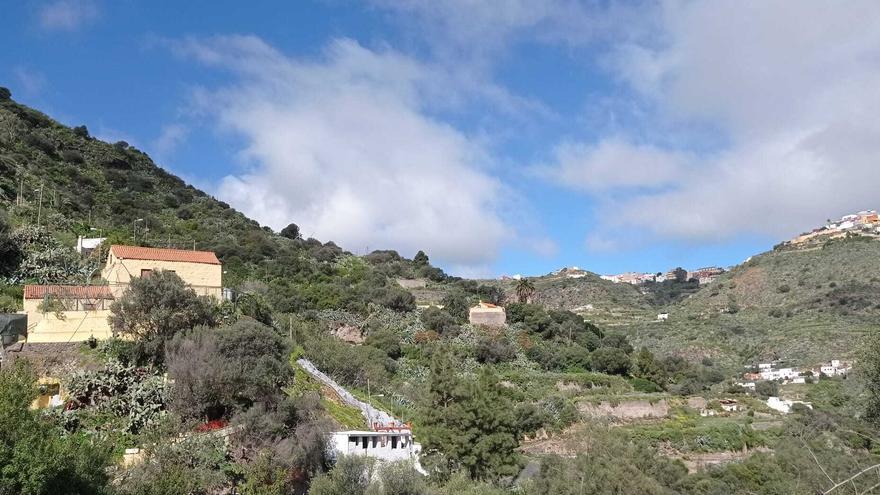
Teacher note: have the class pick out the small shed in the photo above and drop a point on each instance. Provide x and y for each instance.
(487, 314)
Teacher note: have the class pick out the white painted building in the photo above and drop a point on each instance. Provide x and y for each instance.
(85, 245)
(783, 405)
(391, 445)
(662, 316)
(835, 368)
(747, 385)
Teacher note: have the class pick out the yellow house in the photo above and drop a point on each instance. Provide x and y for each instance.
(201, 270)
(81, 312)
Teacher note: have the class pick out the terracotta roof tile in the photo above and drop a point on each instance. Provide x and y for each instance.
(68, 291)
(161, 254)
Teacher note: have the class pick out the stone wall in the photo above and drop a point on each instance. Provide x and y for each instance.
(626, 409)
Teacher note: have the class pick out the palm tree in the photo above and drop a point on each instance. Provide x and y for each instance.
(524, 290)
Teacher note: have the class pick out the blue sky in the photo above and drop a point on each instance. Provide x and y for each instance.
(500, 137)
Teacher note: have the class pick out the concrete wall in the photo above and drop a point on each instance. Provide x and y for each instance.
(412, 283)
(77, 326)
(206, 279)
(494, 317)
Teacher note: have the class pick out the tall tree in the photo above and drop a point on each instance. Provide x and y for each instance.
(468, 425)
(524, 290)
(869, 368)
(420, 258)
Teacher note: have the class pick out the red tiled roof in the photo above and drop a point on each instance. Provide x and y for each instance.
(160, 254)
(68, 291)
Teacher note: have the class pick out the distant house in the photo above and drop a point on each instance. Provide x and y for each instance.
(67, 313)
(201, 270)
(662, 316)
(488, 315)
(835, 368)
(705, 275)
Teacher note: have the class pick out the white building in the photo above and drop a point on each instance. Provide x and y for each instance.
(784, 406)
(747, 385)
(85, 245)
(391, 445)
(835, 368)
(662, 316)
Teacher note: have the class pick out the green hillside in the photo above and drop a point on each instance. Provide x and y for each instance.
(70, 184)
(805, 305)
(599, 301)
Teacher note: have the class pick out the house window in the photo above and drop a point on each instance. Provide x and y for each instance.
(394, 442)
(146, 273)
(89, 306)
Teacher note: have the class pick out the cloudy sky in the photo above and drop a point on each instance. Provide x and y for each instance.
(512, 136)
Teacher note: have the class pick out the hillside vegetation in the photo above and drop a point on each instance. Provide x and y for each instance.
(801, 305)
(211, 393)
(68, 183)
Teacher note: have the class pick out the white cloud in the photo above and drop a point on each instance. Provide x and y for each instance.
(343, 147)
(613, 163)
(791, 90)
(477, 31)
(171, 136)
(30, 81)
(67, 15)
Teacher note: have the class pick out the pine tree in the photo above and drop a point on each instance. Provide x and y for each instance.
(468, 425)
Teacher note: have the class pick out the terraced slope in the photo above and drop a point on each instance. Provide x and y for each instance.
(805, 305)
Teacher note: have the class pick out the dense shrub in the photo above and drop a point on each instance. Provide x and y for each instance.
(35, 454)
(439, 320)
(40, 142)
(557, 325)
(218, 371)
(153, 309)
(610, 360)
(494, 349)
(72, 156)
(386, 340)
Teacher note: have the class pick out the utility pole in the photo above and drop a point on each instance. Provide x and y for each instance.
(40, 207)
(134, 229)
